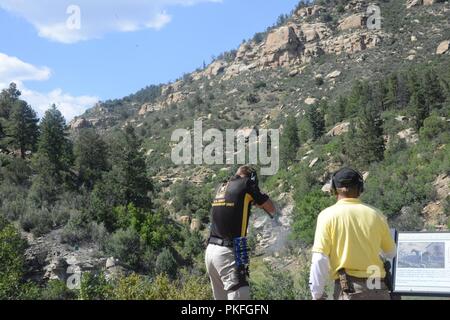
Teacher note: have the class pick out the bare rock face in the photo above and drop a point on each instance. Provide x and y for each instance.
(281, 48)
(443, 47)
(216, 68)
(79, 123)
(355, 21)
(313, 31)
(354, 42)
(309, 11)
(148, 107)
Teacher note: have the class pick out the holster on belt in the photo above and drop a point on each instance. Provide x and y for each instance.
(345, 282)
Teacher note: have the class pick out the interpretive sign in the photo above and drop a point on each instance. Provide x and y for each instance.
(422, 265)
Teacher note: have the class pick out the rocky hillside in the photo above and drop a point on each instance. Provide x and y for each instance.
(335, 44)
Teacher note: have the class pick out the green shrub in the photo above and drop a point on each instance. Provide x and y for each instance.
(57, 290)
(37, 221)
(274, 285)
(95, 287)
(166, 264)
(126, 246)
(306, 211)
(78, 229)
(12, 248)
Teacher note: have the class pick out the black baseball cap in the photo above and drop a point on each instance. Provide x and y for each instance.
(347, 177)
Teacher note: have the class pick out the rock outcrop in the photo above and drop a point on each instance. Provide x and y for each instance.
(282, 47)
(47, 258)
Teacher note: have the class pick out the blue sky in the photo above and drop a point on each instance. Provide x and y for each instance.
(120, 47)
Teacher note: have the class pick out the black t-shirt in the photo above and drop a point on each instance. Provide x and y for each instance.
(231, 207)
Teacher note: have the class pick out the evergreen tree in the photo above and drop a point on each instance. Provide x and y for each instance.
(432, 88)
(337, 112)
(7, 98)
(364, 144)
(126, 183)
(316, 118)
(419, 108)
(290, 142)
(53, 143)
(22, 129)
(91, 154)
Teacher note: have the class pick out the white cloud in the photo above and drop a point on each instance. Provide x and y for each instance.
(62, 22)
(13, 69)
(69, 105)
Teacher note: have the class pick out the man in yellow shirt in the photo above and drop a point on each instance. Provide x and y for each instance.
(350, 236)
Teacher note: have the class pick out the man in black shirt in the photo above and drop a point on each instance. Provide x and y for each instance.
(230, 216)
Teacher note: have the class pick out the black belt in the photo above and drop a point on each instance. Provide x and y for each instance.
(221, 242)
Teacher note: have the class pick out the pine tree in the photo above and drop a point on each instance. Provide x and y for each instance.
(7, 98)
(419, 108)
(432, 88)
(337, 112)
(290, 142)
(126, 183)
(392, 87)
(22, 130)
(91, 160)
(53, 143)
(316, 118)
(364, 144)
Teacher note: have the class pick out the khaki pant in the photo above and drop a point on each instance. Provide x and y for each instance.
(361, 291)
(221, 267)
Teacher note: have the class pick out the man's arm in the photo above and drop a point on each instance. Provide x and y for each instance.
(268, 207)
(318, 277)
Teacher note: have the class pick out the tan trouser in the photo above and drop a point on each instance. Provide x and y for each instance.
(221, 267)
(361, 291)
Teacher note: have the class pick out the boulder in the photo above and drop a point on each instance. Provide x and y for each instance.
(442, 186)
(313, 162)
(409, 135)
(428, 2)
(413, 3)
(310, 101)
(339, 129)
(185, 220)
(333, 74)
(443, 47)
(196, 225)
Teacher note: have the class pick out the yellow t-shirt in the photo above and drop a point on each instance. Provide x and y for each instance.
(353, 234)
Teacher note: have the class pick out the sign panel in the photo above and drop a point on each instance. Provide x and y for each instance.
(422, 265)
